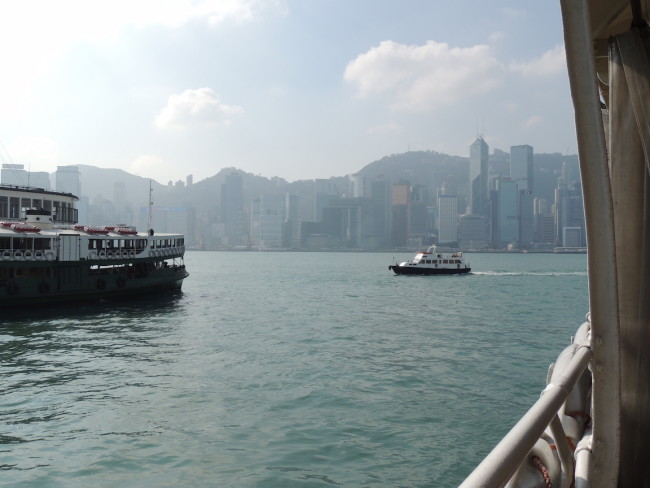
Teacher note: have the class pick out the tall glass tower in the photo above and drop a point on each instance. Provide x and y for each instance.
(521, 166)
(479, 203)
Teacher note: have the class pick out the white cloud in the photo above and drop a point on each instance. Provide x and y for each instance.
(195, 108)
(35, 32)
(423, 77)
(549, 63)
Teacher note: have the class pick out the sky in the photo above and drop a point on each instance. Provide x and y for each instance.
(298, 89)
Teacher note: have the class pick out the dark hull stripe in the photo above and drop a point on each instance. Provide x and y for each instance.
(414, 270)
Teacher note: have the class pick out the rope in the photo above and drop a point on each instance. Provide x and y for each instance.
(542, 469)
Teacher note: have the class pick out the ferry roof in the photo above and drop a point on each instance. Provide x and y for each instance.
(40, 191)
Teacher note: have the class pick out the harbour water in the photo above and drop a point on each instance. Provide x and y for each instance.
(285, 370)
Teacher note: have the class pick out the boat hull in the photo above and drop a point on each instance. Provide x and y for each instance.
(54, 286)
(420, 270)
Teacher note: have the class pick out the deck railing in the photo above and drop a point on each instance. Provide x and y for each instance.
(515, 448)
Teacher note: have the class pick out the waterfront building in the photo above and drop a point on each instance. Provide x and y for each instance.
(267, 221)
(400, 212)
(472, 234)
(325, 192)
(447, 219)
(357, 186)
(526, 218)
(521, 166)
(291, 229)
(232, 209)
(507, 212)
(569, 212)
(380, 195)
(572, 237)
(68, 179)
(16, 175)
(478, 178)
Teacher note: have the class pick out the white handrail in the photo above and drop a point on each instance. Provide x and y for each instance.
(504, 460)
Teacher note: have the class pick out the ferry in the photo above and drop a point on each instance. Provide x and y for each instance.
(46, 259)
(591, 425)
(431, 262)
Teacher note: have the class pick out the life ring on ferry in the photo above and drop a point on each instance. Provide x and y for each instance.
(125, 254)
(18, 255)
(109, 254)
(38, 255)
(29, 255)
(131, 253)
(121, 282)
(44, 287)
(49, 256)
(92, 255)
(6, 255)
(12, 288)
(152, 254)
(101, 284)
(102, 254)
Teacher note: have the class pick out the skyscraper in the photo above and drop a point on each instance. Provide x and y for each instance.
(232, 209)
(68, 180)
(521, 166)
(447, 219)
(507, 212)
(478, 178)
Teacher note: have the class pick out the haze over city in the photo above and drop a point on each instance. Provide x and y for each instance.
(296, 89)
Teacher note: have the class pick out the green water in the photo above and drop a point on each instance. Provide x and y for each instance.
(285, 370)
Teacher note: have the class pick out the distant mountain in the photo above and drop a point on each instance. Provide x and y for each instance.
(417, 167)
(102, 182)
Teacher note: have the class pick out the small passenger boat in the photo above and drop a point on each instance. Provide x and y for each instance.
(431, 262)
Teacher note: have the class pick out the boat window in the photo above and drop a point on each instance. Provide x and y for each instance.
(4, 207)
(446, 261)
(47, 205)
(5, 243)
(42, 244)
(37, 203)
(14, 207)
(25, 204)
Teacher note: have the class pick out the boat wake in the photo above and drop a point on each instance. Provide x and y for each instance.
(530, 273)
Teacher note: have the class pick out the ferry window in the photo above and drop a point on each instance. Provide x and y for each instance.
(25, 204)
(37, 203)
(14, 207)
(5, 243)
(41, 244)
(4, 207)
(47, 205)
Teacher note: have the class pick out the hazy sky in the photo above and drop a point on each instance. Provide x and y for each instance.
(291, 88)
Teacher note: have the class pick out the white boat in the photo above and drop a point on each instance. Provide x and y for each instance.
(45, 261)
(432, 262)
(591, 425)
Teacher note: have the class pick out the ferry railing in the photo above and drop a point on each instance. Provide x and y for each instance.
(515, 448)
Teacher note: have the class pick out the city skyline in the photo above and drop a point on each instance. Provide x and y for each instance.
(276, 87)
